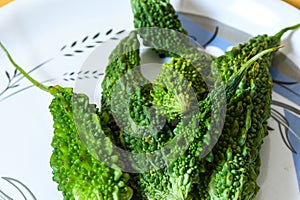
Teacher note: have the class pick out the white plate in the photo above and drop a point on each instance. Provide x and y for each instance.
(36, 31)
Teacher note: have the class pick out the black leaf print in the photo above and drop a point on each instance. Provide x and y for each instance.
(85, 39)
(78, 51)
(118, 33)
(108, 32)
(14, 86)
(95, 36)
(87, 42)
(15, 77)
(63, 48)
(73, 44)
(68, 55)
(82, 75)
(90, 46)
(15, 72)
(7, 75)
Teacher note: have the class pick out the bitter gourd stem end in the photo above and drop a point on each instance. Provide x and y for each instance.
(281, 32)
(25, 74)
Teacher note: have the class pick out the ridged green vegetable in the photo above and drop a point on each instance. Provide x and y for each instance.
(228, 172)
(236, 154)
(125, 106)
(155, 13)
(124, 57)
(143, 130)
(158, 24)
(191, 73)
(76, 169)
(226, 65)
(178, 180)
(158, 14)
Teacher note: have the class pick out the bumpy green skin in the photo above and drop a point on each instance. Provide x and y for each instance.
(205, 127)
(236, 156)
(198, 131)
(225, 65)
(170, 86)
(237, 162)
(159, 26)
(228, 64)
(126, 96)
(159, 14)
(155, 13)
(78, 173)
(123, 58)
(155, 183)
(142, 130)
(237, 151)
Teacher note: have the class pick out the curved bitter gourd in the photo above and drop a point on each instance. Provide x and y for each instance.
(76, 169)
(237, 152)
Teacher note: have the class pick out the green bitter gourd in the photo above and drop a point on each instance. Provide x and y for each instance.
(77, 170)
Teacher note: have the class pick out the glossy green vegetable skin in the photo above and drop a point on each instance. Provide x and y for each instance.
(237, 157)
(77, 170)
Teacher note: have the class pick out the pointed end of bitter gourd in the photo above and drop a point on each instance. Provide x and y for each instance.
(283, 31)
(25, 74)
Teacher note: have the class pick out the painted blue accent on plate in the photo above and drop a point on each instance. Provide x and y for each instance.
(291, 92)
(201, 35)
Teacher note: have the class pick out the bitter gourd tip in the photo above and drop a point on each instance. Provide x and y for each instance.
(283, 31)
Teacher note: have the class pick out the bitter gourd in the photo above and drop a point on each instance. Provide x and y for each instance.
(196, 131)
(237, 151)
(161, 15)
(77, 170)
